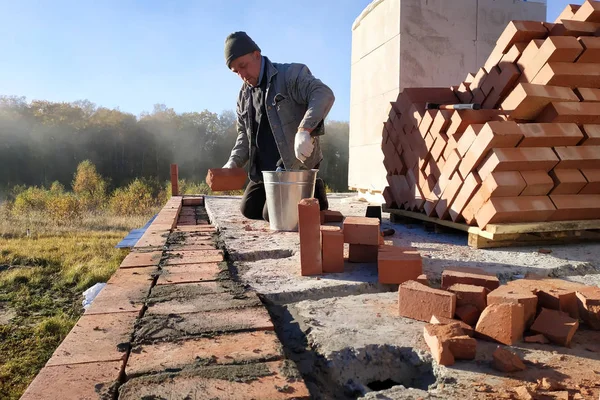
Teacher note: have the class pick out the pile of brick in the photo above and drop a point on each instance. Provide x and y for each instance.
(530, 154)
(472, 303)
(322, 245)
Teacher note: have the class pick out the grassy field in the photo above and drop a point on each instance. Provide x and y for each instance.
(44, 268)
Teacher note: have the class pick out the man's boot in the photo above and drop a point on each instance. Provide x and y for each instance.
(321, 194)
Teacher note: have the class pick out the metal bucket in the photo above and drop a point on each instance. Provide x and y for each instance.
(284, 190)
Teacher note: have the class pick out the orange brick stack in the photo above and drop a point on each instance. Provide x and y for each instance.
(531, 154)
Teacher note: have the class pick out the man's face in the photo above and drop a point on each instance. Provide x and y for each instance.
(247, 67)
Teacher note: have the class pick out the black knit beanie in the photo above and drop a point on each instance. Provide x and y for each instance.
(238, 44)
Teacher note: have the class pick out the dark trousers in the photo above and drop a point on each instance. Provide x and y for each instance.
(254, 201)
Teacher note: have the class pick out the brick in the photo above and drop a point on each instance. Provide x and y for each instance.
(591, 135)
(463, 347)
(194, 257)
(574, 28)
(588, 12)
(463, 118)
(470, 185)
(209, 383)
(568, 74)
(528, 54)
(513, 55)
(592, 177)
(504, 360)
(556, 294)
(469, 276)
(193, 201)
(463, 93)
(396, 265)
(363, 253)
(361, 230)
(328, 216)
(528, 100)
(332, 251)
(470, 295)
(234, 348)
(536, 339)
(188, 273)
(423, 279)
(118, 298)
(554, 49)
(135, 259)
(451, 190)
(588, 299)
(508, 294)
(538, 183)
(493, 134)
(95, 338)
(503, 184)
(502, 86)
(567, 181)
(309, 223)
(467, 138)
(436, 320)
(575, 207)
(421, 302)
(520, 31)
(550, 135)
(84, 381)
(557, 326)
(573, 157)
(515, 209)
(479, 81)
(591, 52)
(520, 158)
(503, 323)
(474, 205)
(223, 179)
(211, 302)
(468, 314)
(437, 339)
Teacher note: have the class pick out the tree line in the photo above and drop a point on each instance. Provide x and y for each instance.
(42, 142)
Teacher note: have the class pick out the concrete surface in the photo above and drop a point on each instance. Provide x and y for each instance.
(343, 330)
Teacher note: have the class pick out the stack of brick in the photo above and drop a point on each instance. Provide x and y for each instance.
(550, 310)
(531, 154)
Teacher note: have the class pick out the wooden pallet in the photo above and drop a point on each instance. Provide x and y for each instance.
(509, 235)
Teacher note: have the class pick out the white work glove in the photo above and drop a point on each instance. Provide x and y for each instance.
(230, 164)
(303, 145)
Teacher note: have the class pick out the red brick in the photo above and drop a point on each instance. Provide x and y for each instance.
(426, 122)
(332, 254)
(508, 294)
(463, 93)
(441, 122)
(588, 299)
(503, 184)
(574, 28)
(389, 199)
(194, 257)
(328, 216)
(568, 74)
(567, 181)
(463, 347)
(520, 31)
(557, 326)
(493, 59)
(507, 361)
(95, 338)
(222, 349)
(135, 259)
(74, 382)
(554, 49)
(469, 276)
(503, 323)
(588, 94)
(207, 385)
(470, 295)
(399, 189)
(591, 52)
(437, 339)
(502, 86)
(515, 209)
(514, 54)
(222, 179)
(550, 135)
(573, 157)
(361, 230)
(396, 265)
(588, 12)
(463, 118)
(528, 100)
(493, 134)
(474, 205)
(117, 298)
(519, 158)
(438, 146)
(451, 190)
(528, 54)
(206, 302)
(436, 320)
(468, 137)
(363, 253)
(421, 302)
(575, 207)
(479, 83)
(568, 12)
(152, 238)
(468, 314)
(538, 183)
(188, 273)
(536, 339)
(309, 230)
(465, 194)
(592, 135)
(592, 177)
(423, 279)
(556, 294)
(450, 148)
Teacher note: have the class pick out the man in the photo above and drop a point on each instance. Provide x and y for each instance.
(281, 109)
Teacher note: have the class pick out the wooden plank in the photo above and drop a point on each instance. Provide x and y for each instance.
(423, 217)
(531, 239)
(543, 226)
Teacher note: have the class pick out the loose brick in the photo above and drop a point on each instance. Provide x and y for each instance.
(588, 12)
(573, 157)
(396, 265)
(309, 223)
(588, 94)
(588, 299)
(441, 122)
(421, 302)
(222, 179)
(465, 194)
(507, 294)
(75, 382)
(463, 347)
(538, 183)
(193, 201)
(536, 339)
(550, 135)
(426, 122)
(119, 298)
(528, 100)
(554, 49)
(567, 181)
(436, 320)
(592, 135)
(468, 314)
(575, 207)
(194, 257)
(591, 52)
(470, 295)
(592, 177)
(210, 302)
(437, 338)
(362, 253)
(556, 294)
(332, 252)
(469, 276)
(506, 361)
(568, 74)
(463, 93)
(502, 86)
(503, 323)
(474, 205)
(423, 279)
(515, 209)
(468, 138)
(361, 230)
(520, 31)
(328, 216)
(557, 326)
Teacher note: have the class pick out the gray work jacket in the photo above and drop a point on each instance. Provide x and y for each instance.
(294, 98)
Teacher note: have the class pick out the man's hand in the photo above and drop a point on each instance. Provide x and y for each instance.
(303, 145)
(230, 164)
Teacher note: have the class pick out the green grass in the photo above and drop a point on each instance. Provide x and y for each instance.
(42, 277)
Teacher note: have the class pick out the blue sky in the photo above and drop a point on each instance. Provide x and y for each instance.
(134, 54)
